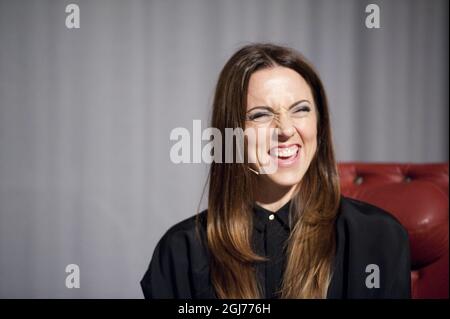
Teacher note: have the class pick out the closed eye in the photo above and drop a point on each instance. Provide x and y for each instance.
(259, 115)
(300, 108)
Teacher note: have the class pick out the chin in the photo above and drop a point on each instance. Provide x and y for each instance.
(285, 178)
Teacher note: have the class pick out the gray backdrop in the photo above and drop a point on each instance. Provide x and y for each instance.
(85, 117)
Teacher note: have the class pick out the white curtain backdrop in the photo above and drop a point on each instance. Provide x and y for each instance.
(86, 114)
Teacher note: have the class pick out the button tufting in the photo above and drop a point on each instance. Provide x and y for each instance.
(358, 180)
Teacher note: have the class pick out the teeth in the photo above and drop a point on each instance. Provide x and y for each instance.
(285, 151)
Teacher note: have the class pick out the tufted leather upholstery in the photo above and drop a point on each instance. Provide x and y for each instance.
(417, 195)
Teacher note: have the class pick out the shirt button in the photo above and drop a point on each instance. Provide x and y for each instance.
(271, 216)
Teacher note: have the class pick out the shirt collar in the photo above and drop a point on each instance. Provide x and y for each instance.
(262, 216)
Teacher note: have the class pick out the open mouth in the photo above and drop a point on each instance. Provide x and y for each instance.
(285, 155)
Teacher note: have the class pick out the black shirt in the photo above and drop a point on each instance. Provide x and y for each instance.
(272, 231)
(370, 243)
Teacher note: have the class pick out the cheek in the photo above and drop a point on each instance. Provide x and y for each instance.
(258, 142)
(308, 133)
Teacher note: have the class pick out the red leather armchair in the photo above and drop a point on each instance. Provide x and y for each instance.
(417, 195)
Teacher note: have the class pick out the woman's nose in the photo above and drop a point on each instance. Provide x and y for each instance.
(285, 126)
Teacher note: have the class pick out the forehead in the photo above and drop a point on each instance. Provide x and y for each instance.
(277, 87)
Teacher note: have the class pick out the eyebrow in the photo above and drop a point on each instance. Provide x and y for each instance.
(270, 109)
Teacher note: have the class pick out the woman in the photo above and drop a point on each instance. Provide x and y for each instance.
(288, 233)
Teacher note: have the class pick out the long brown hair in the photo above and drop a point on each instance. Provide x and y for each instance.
(311, 245)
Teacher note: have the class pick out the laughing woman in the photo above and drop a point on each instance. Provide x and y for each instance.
(288, 233)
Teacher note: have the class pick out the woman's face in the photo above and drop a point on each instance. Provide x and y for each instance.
(279, 98)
